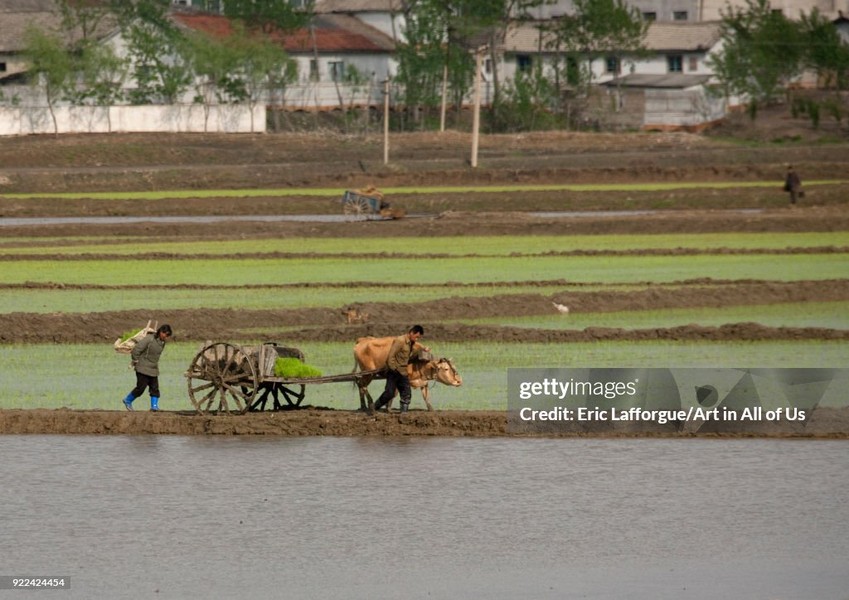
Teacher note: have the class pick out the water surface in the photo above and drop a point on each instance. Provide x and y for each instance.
(339, 518)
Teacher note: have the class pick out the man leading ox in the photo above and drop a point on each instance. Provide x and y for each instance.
(396, 375)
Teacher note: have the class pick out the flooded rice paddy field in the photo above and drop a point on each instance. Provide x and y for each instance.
(332, 504)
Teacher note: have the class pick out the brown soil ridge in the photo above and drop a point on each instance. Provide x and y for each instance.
(533, 283)
(823, 423)
(79, 330)
(144, 161)
(749, 332)
(327, 323)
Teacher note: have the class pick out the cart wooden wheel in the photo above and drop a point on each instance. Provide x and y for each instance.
(356, 206)
(225, 372)
(274, 390)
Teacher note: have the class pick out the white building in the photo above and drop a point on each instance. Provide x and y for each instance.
(682, 48)
(327, 54)
(703, 10)
(665, 89)
(387, 16)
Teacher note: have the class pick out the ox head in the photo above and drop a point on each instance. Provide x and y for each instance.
(447, 373)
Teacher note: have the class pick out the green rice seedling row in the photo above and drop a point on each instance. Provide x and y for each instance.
(42, 376)
(481, 246)
(75, 300)
(283, 192)
(605, 269)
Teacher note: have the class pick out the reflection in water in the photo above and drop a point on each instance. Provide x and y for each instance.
(177, 517)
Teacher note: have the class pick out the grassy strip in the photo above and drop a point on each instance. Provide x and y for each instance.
(604, 269)
(321, 192)
(477, 245)
(72, 300)
(41, 376)
(832, 315)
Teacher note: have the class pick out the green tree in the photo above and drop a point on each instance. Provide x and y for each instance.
(442, 37)
(101, 75)
(241, 67)
(485, 24)
(269, 15)
(762, 51)
(429, 51)
(51, 67)
(265, 69)
(81, 19)
(598, 29)
(528, 103)
(155, 50)
(212, 62)
(824, 50)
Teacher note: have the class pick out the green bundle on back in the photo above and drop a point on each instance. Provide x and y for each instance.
(124, 337)
(126, 343)
(292, 368)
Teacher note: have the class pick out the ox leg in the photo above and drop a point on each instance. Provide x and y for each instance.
(426, 397)
(366, 401)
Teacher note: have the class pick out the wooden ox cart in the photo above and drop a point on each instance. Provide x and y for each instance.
(369, 203)
(235, 378)
(363, 203)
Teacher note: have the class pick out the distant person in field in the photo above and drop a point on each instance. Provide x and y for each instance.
(145, 358)
(793, 184)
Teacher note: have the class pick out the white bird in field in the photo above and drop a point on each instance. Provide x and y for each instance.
(561, 308)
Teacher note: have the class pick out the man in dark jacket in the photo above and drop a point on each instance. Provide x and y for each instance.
(793, 184)
(145, 357)
(396, 374)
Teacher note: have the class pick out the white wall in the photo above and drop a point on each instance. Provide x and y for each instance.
(98, 119)
(325, 93)
(376, 65)
(712, 9)
(652, 65)
(690, 107)
(383, 22)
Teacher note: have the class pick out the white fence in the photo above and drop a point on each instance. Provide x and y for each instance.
(682, 108)
(193, 118)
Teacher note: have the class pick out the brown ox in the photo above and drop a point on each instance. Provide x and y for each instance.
(371, 353)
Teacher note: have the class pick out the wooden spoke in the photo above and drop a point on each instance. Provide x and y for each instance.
(224, 370)
(273, 390)
(292, 397)
(357, 206)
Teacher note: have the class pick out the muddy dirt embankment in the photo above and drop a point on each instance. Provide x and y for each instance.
(824, 423)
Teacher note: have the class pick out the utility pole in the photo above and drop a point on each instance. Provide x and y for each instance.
(386, 121)
(476, 115)
(444, 98)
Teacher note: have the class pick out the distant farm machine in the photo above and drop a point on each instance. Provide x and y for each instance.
(368, 203)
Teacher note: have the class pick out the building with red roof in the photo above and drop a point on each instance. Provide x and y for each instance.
(340, 60)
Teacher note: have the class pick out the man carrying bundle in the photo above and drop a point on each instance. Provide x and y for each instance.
(145, 357)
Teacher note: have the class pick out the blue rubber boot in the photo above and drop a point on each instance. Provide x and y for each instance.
(154, 403)
(128, 401)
